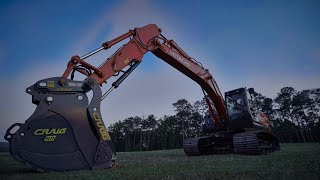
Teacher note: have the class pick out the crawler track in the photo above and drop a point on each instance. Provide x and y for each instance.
(256, 142)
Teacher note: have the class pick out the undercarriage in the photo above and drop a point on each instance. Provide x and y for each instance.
(253, 142)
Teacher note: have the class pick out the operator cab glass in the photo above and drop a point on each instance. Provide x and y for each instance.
(236, 102)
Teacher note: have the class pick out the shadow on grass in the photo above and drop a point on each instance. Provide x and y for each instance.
(17, 170)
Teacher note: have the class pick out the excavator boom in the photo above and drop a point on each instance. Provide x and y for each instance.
(149, 38)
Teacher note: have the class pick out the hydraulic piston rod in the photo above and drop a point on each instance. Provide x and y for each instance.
(121, 78)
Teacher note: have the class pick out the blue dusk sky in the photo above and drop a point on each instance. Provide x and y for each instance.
(244, 43)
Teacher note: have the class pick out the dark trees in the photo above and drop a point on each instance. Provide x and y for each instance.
(294, 117)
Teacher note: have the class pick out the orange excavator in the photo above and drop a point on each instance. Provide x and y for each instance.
(66, 131)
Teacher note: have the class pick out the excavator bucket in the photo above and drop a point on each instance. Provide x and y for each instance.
(65, 132)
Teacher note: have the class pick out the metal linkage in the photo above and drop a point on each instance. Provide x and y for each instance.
(121, 78)
(91, 53)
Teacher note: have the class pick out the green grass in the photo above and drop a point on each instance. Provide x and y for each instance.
(294, 161)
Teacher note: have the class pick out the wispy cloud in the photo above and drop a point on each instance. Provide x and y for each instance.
(142, 93)
(270, 85)
(15, 104)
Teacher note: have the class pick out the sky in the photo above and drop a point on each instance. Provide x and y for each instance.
(245, 43)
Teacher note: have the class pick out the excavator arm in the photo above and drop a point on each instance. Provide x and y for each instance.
(143, 40)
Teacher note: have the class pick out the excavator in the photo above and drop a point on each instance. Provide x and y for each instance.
(67, 132)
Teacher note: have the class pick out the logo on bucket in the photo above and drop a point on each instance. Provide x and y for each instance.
(50, 132)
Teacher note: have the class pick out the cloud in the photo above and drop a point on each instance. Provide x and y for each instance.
(144, 92)
(154, 93)
(270, 85)
(15, 104)
(131, 14)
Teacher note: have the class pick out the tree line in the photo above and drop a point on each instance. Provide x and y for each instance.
(294, 117)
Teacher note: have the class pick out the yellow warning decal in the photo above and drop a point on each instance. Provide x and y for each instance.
(126, 61)
(50, 84)
(64, 89)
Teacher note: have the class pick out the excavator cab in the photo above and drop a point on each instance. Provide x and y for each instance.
(243, 111)
(236, 103)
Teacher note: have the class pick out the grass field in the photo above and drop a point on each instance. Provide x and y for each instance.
(294, 161)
